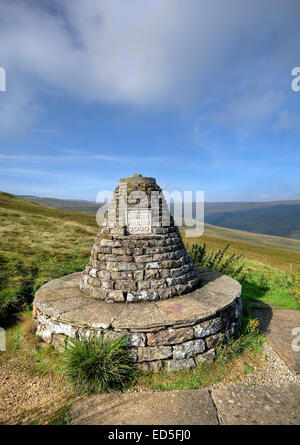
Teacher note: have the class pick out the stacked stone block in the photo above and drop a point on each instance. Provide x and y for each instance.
(132, 267)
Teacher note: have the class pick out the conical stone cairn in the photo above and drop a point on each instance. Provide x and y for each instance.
(138, 254)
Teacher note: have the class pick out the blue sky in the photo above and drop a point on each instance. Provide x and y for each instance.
(193, 93)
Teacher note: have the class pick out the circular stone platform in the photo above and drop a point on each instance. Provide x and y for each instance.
(174, 333)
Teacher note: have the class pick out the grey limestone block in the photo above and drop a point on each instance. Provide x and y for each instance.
(188, 349)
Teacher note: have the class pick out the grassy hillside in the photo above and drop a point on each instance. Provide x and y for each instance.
(276, 242)
(39, 243)
(282, 259)
(277, 218)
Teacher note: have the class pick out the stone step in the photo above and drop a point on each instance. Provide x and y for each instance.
(146, 408)
(234, 405)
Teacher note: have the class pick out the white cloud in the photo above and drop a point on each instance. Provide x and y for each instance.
(158, 53)
(30, 173)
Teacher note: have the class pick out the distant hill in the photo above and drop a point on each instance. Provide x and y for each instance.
(75, 205)
(277, 218)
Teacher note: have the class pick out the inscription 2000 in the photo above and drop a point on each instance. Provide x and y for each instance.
(139, 221)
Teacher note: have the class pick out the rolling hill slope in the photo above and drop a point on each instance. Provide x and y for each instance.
(253, 238)
(211, 209)
(278, 218)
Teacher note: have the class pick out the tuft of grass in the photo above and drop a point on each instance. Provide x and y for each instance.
(249, 343)
(249, 339)
(219, 260)
(95, 364)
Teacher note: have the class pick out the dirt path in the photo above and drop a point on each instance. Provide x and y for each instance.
(26, 399)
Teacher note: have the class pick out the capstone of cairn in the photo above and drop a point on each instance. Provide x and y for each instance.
(138, 254)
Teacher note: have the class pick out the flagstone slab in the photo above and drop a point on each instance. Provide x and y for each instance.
(258, 405)
(282, 328)
(189, 308)
(65, 282)
(183, 309)
(95, 315)
(146, 408)
(49, 294)
(66, 304)
(139, 316)
(232, 405)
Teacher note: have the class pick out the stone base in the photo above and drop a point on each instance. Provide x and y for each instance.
(138, 268)
(173, 334)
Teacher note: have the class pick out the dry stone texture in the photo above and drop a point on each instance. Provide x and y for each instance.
(138, 254)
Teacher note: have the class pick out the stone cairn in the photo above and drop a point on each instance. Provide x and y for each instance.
(138, 254)
(141, 282)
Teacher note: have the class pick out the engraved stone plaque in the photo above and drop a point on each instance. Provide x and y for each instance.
(139, 221)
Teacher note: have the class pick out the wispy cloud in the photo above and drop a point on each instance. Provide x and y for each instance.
(287, 120)
(253, 108)
(81, 155)
(26, 172)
